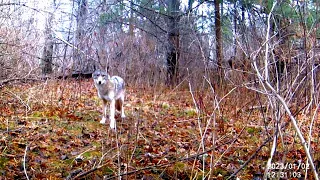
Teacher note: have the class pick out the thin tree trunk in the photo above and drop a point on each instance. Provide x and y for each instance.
(235, 14)
(173, 43)
(81, 20)
(131, 27)
(47, 55)
(218, 32)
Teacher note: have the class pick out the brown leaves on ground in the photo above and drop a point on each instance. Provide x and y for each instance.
(58, 123)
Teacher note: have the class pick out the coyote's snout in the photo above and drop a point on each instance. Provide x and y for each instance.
(110, 89)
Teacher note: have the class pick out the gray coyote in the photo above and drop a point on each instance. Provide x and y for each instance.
(110, 89)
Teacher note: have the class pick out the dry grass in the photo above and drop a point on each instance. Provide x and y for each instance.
(160, 138)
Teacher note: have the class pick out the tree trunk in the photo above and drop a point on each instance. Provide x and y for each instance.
(47, 55)
(131, 27)
(235, 16)
(81, 19)
(218, 32)
(79, 57)
(173, 42)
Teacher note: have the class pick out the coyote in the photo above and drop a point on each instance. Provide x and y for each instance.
(110, 89)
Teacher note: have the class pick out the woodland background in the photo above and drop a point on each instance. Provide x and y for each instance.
(215, 89)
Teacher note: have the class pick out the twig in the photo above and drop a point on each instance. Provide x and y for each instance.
(266, 62)
(310, 133)
(118, 154)
(267, 141)
(20, 99)
(273, 92)
(158, 165)
(199, 126)
(88, 172)
(79, 156)
(24, 162)
(228, 147)
(250, 158)
(266, 77)
(185, 158)
(190, 157)
(295, 125)
(102, 157)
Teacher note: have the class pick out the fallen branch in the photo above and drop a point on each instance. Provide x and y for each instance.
(2, 83)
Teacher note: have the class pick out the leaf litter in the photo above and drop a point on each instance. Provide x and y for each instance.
(58, 122)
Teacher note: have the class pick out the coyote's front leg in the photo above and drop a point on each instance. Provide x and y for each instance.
(112, 113)
(122, 102)
(104, 118)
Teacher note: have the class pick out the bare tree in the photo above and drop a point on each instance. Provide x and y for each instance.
(218, 33)
(80, 36)
(173, 41)
(47, 56)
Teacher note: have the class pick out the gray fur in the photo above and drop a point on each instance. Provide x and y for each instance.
(110, 89)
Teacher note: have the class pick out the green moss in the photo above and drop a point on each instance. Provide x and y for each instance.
(58, 165)
(220, 171)
(91, 154)
(190, 112)
(165, 105)
(3, 162)
(251, 130)
(180, 166)
(37, 114)
(107, 170)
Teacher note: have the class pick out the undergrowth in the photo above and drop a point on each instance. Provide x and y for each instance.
(52, 130)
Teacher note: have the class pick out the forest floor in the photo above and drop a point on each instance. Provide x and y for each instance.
(51, 130)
